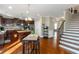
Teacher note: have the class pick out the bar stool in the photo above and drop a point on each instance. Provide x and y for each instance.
(31, 44)
(36, 47)
(26, 48)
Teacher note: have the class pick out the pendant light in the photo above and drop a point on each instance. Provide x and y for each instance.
(28, 13)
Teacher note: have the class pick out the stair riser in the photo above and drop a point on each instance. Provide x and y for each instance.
(72, 27)
(72, 32)
(68, 34)
(71, 41)
(69, 49)
(69, 44)
(70, 37)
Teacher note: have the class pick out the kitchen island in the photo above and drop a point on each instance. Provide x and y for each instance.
(15, 37)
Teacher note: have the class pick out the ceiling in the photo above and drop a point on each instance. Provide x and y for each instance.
(19, 10)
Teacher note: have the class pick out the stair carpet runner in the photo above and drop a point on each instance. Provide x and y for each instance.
(70, 37)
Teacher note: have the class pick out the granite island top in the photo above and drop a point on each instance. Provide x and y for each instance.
(2, 32)
(23, 31)
(31, 37)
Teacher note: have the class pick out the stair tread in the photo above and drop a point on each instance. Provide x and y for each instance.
(71, 41)
(72, 29)
(71, 37)
(70, 49)
(73, 25)
(71, 34)
(76, 32)
(69, 44)
(74, 21)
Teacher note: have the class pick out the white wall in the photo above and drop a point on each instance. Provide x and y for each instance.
(49, 21)
(51, 26)
(38, 23)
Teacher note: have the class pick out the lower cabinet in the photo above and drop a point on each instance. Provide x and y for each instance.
(1, 39)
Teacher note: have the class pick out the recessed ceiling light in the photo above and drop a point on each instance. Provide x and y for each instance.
(10, 7)
(26, 19)
(38, 14)
(29, 18)
(8, 14)
(27, 12)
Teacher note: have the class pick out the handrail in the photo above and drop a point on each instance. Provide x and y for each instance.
(59, 31)
(61, 24)
(61, 28)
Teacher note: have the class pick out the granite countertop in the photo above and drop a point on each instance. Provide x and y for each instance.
(2, 32)
(31, 37)
(23, 31)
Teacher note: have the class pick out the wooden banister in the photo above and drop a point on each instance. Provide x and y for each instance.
(61, 28)
(59, 32)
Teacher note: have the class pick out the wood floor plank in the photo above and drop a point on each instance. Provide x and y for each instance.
(46, 47)
(10, 51)
(8, 46)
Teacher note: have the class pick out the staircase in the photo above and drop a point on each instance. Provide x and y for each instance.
(70, 37)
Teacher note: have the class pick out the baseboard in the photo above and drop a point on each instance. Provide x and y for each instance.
(50, 37)
(47, 37)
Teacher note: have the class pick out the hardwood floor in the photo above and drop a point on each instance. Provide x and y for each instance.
(46, 47)
(7, 47)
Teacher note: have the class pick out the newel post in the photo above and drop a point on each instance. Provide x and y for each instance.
(56, 39)
(56, 35)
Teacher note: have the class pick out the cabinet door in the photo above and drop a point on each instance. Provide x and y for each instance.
(1, 39)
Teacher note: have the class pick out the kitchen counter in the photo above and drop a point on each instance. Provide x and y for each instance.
(31, 37)
(2, 32)
(12, 36)
(23, 33)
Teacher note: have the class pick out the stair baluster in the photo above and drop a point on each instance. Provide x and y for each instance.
(59, 31)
